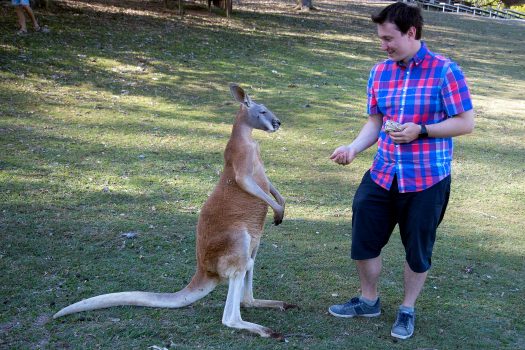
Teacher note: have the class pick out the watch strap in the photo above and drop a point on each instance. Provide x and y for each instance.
(423, 133)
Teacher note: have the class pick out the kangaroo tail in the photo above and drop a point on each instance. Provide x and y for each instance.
(200, 286)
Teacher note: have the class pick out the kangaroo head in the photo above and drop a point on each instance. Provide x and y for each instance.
(257, 115)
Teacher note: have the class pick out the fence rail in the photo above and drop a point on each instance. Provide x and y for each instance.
(475, 11)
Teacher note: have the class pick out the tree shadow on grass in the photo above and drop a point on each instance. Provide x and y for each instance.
(79, 70)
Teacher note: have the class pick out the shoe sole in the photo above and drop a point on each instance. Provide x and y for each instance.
(398, 336)
(350, 316)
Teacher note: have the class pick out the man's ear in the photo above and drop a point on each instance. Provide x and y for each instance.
(412, 32)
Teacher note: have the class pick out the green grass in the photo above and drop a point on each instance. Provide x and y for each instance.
(116, 121)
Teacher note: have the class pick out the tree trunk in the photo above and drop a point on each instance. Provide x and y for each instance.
(226, 5)
(44, 4)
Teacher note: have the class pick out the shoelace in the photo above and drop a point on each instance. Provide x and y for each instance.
(354, 301)
(403, 320)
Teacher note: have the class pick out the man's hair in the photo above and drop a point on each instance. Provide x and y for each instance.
(403, 16)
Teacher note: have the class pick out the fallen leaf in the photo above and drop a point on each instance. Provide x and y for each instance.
(129, 235)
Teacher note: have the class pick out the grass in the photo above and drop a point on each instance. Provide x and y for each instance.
(116, 121)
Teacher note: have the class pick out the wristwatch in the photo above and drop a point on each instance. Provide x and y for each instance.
(423, 133)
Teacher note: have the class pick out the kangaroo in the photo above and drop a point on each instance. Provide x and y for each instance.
(229, 230)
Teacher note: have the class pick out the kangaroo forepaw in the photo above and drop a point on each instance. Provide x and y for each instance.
(276, 335)
(287, 306)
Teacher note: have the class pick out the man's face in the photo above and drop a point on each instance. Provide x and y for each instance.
(397, 45)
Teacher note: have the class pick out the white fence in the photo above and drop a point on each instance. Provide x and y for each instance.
(475, 11)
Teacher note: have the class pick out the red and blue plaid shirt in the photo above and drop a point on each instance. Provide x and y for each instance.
(428, 90)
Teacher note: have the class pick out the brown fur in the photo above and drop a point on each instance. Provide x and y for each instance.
(229, 230)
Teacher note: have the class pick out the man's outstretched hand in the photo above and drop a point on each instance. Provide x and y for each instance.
(343, 155)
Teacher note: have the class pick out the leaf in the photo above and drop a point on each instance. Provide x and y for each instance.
(129, 235)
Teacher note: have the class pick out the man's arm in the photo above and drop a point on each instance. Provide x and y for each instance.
(367, 137)
(461, 124)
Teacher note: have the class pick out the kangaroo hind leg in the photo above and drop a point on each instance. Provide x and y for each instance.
(234, 267)
(232, 310)
(248, 299)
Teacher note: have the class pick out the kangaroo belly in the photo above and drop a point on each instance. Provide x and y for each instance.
(230, 207)
(229, 213)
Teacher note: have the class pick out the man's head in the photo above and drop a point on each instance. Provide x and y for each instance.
(399, 27)
(403, 16)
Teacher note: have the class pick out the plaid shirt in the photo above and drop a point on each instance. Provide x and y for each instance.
(428, 90)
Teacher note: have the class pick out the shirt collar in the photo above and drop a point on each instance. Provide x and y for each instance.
(418, 57)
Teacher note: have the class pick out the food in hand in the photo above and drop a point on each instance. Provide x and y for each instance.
(391, 125)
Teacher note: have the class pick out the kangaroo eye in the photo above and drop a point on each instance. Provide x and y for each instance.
(263, 112)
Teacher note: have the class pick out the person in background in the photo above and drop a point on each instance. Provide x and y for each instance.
(22, 7)
(409, 181)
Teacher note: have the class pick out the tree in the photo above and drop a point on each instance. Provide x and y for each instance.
(497, 3)
(509, 3)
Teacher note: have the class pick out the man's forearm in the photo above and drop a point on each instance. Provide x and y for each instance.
(368, 134)
(461, 124)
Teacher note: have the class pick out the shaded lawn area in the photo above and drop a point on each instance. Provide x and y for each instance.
(115, 122)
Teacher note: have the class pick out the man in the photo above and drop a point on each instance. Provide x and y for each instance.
(409, 181)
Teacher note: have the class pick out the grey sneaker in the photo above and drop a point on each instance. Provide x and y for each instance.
(356, 307)
(403, 328)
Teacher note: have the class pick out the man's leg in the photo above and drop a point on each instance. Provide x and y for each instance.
(404, 324)
(372, 224)
(369, 271)
(414, 282)
(421, 214)
(21, 18)
(368, 304)
(373, 220)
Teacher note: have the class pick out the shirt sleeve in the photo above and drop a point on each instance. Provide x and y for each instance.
(371, 106)
(455, 91)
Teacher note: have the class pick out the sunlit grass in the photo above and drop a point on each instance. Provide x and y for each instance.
(106, 129)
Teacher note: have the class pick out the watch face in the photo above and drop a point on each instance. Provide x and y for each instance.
(423, 132)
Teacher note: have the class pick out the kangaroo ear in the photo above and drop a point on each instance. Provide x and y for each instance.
(239, 95)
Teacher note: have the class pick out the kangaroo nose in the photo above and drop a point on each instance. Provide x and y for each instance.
(278, 122)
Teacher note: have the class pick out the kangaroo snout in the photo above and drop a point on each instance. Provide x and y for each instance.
(276, 123)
